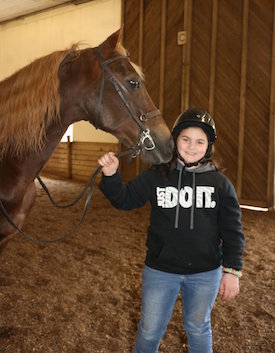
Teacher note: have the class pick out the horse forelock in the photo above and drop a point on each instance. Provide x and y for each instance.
(29, 101)
(122, 51)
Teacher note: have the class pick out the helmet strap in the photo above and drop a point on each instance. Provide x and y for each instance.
(195, 164)
(189, 165)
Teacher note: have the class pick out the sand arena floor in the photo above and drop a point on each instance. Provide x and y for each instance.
(83, 295)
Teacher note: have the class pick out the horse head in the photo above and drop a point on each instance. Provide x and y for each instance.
(109, 92)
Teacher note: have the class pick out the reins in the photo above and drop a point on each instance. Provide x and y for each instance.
(90, 184)
(144, 140)
(86, 187)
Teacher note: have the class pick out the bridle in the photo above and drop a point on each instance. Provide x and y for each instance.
(144, 139)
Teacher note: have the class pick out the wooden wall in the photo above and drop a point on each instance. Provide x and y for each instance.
(224, 64)
(77, 160)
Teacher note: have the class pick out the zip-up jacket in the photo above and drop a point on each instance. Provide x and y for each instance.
(195, 222)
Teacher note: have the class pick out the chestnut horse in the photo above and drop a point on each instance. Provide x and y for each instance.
(40, 101)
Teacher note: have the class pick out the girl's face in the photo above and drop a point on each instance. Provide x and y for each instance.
(192, 144)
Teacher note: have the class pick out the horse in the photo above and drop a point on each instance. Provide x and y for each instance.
(38, 103)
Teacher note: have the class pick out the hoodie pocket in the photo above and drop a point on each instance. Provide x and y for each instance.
(168, 253)
(179, 251)
(196, 255)
(205, 254)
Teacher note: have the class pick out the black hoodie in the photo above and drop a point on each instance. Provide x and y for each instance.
(195, 222)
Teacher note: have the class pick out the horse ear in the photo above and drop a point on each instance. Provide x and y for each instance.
(109, 45)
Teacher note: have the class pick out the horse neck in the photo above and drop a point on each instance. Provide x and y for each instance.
(31, 163)
(54, 134)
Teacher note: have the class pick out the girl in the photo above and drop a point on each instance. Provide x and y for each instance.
(195, 240)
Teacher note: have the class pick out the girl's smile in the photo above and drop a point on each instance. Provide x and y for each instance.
(192, 144)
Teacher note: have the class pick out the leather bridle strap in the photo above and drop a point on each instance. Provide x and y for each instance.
(119, 88)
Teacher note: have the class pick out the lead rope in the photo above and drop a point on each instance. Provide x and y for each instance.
(91, 184)
(66, 235)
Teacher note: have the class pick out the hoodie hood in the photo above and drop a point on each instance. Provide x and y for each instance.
(203, 168)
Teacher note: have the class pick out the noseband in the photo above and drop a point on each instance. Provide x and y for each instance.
(144, 139)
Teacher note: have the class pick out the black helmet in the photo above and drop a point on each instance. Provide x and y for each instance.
(195, 117)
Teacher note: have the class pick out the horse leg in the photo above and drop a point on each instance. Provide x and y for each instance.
(4, 240)
(18, 215)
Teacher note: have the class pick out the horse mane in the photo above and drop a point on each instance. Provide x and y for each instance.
(29, 102)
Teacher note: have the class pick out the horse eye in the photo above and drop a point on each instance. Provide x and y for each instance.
(134, 84)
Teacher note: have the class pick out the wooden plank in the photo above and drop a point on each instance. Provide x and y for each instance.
(131, 24)
(94, 146)
(77, 163)
(252, 202)
(69, 157)
(186, 55)
(91, 153)
(56, 163)
(55, 171)
(271, 149)
(152, 48)
(61, 148)
(213, 56)
(141, 33)
(87, 155)
(60, 152)
(162, 55)
(58, 158)
(242, 97)
(56, 167)
(200, 54)
(173, 62)
(257, 114)
(83, 159)
(227, 84)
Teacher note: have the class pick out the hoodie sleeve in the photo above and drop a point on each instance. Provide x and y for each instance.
(230, 225)
(127, 196)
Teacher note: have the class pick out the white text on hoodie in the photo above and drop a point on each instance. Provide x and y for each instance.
(168, 197)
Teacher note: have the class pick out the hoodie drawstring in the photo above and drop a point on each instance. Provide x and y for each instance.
(181, 169)
(193, 201)
(207, 167)
(178, 201)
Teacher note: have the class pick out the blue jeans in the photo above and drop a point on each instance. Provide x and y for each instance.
(159, 294)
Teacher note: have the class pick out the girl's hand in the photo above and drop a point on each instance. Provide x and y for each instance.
(109, 163)
(229, 287)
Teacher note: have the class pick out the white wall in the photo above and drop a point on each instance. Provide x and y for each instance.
(23, 40)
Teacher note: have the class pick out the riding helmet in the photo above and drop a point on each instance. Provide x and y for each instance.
(195, 117)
